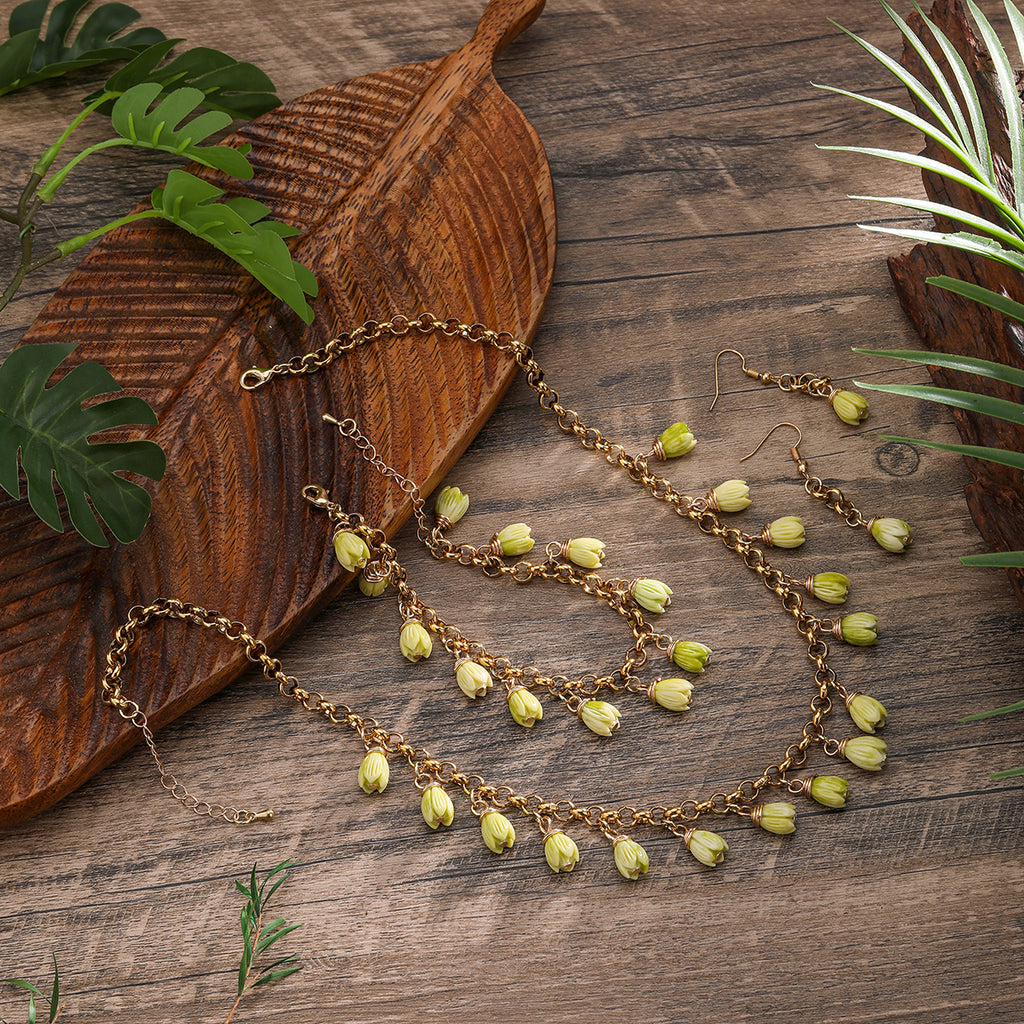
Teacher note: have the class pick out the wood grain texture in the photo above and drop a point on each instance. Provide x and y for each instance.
(950, 323)
(694, 212)
(417, 188)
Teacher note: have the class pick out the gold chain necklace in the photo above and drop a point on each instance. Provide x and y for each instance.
(435, 777)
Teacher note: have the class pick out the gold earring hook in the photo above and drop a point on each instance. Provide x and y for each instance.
(794, 451)
(743, 366)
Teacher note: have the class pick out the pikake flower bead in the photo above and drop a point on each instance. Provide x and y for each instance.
(436, 806)
(830, 587)
(599, 716)
(867, 752)
(828, 790)
(473, 679)
(561, 853)
(374, 772)
(891, 534)
(690, 656)
(786, 532)
(674, 441)
(586, 552)
(867, 713)
(371, 587)
(731, 496)
(859, 629)
(850, 407)
(414, 641)
(497, 831)
(673, 694)
(631, 858)
(778, 818)
(451, 505)
(708, 847)
(524, 706)
(652, 595)
(350, 550)
(513, 540)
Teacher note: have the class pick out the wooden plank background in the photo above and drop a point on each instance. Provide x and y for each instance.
(695, 213)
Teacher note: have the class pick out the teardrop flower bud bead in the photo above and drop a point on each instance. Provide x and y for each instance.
(451, 505)
(652, 595)
(827, 790)
(586, 552)
(631, 858)
(600, 717)
(561, 853)
(526, 710)
(786, 533)
(850, 407)
(867, 713)
(859, 629)
(893, 535)
(371, 587)
(497, 831)
(867, 752)
(351, 551)
(513, 540)
(731, 496)
(708, 847)
(374, 772)
(830, 587)
(436, 806)
(674, 441)
(778, 818)
(473, 679)
(414, 641)
(672, 694)
(690, 656)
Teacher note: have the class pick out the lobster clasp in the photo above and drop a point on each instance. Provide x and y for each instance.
(254, 378)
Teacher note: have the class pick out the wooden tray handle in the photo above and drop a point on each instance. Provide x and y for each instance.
(500, 23)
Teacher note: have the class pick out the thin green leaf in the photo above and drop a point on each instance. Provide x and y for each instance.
(990, 228)
(266, 942)
(1003, 456)
(256, 893)
(271, 925)
(49, 430)
(55, 992)
(1019, 706)
(243, 969)
(263, 979)
(277, 885)
(21, 983)
(1009, 773)
(984, 405)
(190, 203)
(1014, 310)
(977, 244)
(996, 560)
(951, 361)
(1011, 100)
(242, 889)
(32, 1009)
(101, 39)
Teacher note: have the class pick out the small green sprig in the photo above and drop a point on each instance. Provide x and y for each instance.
(259, 935)
(53, 1002)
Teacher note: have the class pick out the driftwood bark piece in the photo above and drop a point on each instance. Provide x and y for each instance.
(419, 188)
(950, 323)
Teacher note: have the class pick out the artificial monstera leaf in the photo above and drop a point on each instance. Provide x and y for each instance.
(48, 428)
(25, 58)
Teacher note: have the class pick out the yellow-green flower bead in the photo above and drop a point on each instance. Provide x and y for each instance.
(850, 407)
(585, 552)
(859, 629)
(732, 496)
(525, 708)
(514, 540)
(674, 441)
(829, 791)
(777, 818)
(599, 716)
(867, 713)
(830, 587)
(451, 504)
(867, 752)
(673, 694)
(631, 858)
(708, 847)
(351, 550)
(690, 656)
(651, 594)
(497, 831)
(786, 532)
(414, 641)
(371, 588)
(561, 853)
(473, 679)
(892, 534)
(374, 772)
(436, 806)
